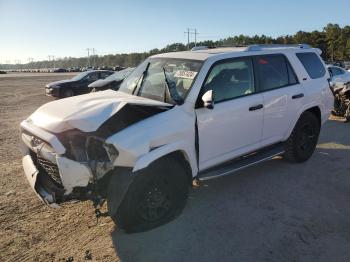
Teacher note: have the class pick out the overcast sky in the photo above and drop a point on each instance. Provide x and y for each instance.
(38, 28)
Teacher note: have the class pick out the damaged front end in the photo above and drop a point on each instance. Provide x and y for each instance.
(77, 165)
(75, 175)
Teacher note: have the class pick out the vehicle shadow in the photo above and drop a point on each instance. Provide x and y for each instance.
(274, 211)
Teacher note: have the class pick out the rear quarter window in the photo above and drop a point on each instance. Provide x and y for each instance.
(312, 64)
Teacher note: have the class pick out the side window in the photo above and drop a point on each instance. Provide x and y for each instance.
(231, 79)
(312, 64)
(273, 72)
(92, 76)
(103, 75)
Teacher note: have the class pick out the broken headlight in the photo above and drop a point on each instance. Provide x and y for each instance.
(98, 150)
(84, 148)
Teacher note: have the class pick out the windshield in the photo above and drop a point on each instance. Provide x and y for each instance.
(80, 76)
(152, 78)
(120, 75)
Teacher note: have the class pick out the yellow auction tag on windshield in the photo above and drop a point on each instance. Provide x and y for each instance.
(185, 74)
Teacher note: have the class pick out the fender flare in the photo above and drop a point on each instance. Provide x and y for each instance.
(155, 154)
(301, 111)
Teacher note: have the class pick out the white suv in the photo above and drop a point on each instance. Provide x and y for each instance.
(179, 116)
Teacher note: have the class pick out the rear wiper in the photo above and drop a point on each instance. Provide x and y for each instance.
(172, 90)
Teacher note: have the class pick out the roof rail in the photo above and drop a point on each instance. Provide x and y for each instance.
(202, 47)
(275, 46)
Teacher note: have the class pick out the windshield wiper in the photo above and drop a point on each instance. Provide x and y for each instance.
(142, 77)
(172, 90)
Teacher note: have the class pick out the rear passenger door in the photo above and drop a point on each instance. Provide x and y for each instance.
(282, 95)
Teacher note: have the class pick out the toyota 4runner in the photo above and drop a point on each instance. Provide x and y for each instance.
(177, 117)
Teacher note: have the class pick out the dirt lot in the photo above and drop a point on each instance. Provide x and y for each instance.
(272, 212)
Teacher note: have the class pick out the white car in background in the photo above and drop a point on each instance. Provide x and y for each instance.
(177, 117)
(339, 76)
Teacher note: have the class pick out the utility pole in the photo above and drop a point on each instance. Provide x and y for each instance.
(18, 63)
(53, 59)
(195, 37)
(30, 61)
(94, 56)
(188, 38)
(191, 32)
(88, 51)
(49, 64)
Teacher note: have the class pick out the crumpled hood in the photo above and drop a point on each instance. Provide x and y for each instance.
(85, 112)
(61, 82)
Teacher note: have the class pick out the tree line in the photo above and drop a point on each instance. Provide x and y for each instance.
(333, 40)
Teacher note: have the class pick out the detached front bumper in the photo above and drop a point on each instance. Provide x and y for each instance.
(32, 174)
(53, 177)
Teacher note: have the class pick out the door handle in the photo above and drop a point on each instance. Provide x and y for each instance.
(298, 96)
(257, 107)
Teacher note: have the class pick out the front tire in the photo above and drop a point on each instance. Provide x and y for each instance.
(156, 196)
(301, 144)
(67, 93)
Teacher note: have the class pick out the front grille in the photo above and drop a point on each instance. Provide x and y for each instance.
(48, 168)
(51, 169)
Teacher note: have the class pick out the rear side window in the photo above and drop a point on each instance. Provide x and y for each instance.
(274, 71)
(312, 64)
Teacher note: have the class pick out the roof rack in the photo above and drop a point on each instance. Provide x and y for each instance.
(202, 47)
(258, 47)
(275, 46)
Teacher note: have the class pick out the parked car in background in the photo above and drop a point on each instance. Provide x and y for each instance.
(339, 76)
(59, 70)
(74, 69)
(2, 72)
(77, 85)
(111, 82)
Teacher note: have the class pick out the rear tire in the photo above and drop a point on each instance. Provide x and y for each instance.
(156, 196)
(301, 144)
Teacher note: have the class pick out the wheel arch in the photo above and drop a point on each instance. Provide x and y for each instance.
(182, 155)
(315, 109)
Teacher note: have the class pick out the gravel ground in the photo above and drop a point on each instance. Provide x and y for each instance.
(271, 212)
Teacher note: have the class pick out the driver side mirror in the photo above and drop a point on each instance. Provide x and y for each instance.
(208, 99)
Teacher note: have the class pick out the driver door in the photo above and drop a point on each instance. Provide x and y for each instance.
(234, 126)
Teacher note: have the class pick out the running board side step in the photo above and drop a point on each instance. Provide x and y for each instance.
(242, 162)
